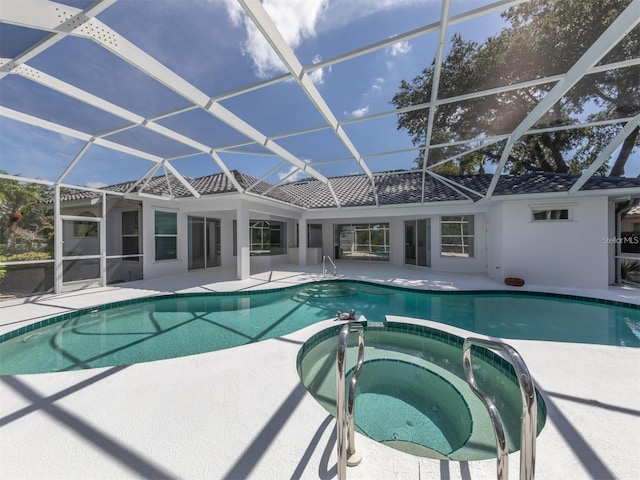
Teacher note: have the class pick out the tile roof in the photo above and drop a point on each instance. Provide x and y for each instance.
(393, 188)
(635, 210)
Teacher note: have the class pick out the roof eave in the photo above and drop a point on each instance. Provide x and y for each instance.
(564, 195)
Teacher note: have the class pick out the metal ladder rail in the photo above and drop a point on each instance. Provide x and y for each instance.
(529, 408)
(345, 420)
(324, 266)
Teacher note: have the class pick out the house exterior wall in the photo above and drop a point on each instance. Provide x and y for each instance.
(475, 264)
(396, 218)
(495, 251)
(569, 253)
(224, 208)
(151, 267)
(507, 243)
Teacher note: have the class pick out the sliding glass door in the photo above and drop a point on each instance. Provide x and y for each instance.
(417, 242)
(204, 242)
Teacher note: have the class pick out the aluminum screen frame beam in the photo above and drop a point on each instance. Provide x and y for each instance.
(90, 140)
(272, 35)
(620, 27)
(435, 82)
(43, 15)
(604, 155)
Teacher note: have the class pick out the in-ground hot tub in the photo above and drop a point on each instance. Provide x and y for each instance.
(391, 411)
(412, 392)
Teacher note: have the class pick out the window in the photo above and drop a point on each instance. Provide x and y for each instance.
(259, 232)
(545, 215)
(314, 235)
(277, 238)
(85, 229)
(457, 236)
(267, 237)
(130, 234)
(368, 241)
(166, 232)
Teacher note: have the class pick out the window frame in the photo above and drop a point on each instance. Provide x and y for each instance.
(165, 235)
(263, 232)
(549, 214)
(470, 236)
(372, 241)
(135, 257)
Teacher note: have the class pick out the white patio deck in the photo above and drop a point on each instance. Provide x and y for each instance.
(243, 413)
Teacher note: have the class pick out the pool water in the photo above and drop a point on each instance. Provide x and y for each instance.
(402, 403)
(412, 393)
(178, 325)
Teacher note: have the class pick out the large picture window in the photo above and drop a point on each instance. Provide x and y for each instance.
(457, 236)
(166, 235)
(268, 237)
(365, 241)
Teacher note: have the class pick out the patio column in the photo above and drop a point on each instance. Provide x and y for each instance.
(57, 247)
(242, 239)
(302, 241)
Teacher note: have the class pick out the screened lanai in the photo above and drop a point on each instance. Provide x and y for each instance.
(106, 104)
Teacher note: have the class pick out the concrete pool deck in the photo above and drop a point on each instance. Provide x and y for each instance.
(243, 413)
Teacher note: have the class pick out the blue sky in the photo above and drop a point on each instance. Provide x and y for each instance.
(215, 47)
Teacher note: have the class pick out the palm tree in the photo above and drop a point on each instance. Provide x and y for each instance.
(15, 201)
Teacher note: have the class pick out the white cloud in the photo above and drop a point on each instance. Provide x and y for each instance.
(295, 19)
(96, 184)
(399, 48)
(317, 76)
(235, 12)
(298, 20)
(295, 176)
(360, 112)
(377, 85)
(343, 12)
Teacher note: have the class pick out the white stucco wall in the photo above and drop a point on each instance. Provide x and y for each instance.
(565, 253)
(222, 207)
(151, 267)
(475, 264)
(507, 242)
(495, 224)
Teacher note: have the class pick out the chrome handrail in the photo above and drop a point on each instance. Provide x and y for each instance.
(347, 452)
(529, 408)
(324, 266)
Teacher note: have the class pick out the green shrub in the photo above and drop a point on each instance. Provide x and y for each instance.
(28, 256)
(3, 269)
(22, 257)
(630, 270)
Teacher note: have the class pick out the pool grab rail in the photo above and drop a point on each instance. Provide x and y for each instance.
(324, 266)
(529, 408)
(345, 420)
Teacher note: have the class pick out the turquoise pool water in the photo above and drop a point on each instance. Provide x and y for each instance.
(412, 393)
(178, 325)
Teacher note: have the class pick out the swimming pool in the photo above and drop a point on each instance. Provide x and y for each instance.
(176, 325)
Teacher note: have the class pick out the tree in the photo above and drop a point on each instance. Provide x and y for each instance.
(541, 38)
(18, 200)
